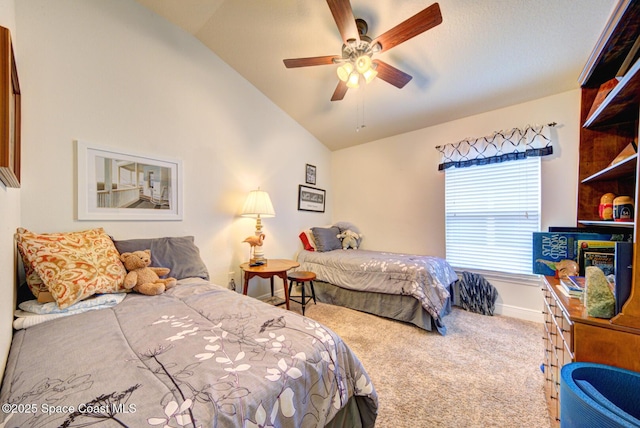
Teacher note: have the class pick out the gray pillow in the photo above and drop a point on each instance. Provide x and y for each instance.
(326, 238)
(179, 254)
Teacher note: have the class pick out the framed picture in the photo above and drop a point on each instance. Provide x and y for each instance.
(310, 199)
(117, 185)
(9, 113)
(310, 176)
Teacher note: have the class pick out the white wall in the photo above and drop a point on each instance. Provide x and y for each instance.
(9, 220)
(114, 74)
(392, 189)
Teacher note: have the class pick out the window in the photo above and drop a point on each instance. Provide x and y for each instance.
(490, 213)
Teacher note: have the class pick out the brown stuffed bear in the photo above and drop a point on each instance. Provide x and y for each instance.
(141, 277)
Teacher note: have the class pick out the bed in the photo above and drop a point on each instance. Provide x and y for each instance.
(198, 355)
(405, 287)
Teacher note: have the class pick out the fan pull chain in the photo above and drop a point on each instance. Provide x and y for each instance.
(360, 102)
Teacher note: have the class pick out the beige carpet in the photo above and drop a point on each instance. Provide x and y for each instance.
(484, 373)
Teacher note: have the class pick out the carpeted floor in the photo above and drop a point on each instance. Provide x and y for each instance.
(484, 373)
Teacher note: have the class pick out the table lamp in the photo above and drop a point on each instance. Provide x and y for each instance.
(257, 205)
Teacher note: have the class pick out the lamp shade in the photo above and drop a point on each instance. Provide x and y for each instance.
(258, 204)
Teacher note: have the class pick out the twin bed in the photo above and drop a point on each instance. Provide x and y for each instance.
(198, 355)
(405, 287)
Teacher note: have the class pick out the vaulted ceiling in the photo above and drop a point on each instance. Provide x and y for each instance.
(486, 54)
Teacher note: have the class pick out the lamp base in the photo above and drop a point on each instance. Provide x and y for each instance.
(258, 254)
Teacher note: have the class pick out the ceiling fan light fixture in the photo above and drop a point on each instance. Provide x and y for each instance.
(363, 63)
(369, 75)
(354, 80)
(344, 71)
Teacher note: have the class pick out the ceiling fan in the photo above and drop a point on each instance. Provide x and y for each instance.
(358, 48)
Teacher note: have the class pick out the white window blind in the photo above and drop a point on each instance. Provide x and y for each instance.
(491, 212)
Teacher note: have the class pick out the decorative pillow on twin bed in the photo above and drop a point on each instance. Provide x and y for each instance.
(326, 238)
(179, 254)
(72, 266)
(306, 237)
(34, 283)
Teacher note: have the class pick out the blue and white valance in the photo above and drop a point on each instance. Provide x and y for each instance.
(501, 146)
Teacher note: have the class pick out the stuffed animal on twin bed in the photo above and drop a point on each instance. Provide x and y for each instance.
(143, 278)
(349, 239)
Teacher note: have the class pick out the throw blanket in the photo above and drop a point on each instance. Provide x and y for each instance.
(33, 313)
(474, 293)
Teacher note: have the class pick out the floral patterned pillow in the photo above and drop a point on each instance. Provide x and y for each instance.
(34, 282)
(72, 266)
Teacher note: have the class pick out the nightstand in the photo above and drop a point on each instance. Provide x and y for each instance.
(271, 269)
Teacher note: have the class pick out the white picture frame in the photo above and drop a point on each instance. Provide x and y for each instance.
(121, 185)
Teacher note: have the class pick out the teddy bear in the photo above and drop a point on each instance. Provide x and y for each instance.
(142, 278)
(349, 239)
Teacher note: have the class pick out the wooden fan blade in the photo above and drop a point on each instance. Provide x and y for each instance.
(306, 62)
(417, 24)
(392, 75)
(343, 15)
(340, 91)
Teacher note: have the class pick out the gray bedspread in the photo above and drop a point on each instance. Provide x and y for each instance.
(425, 278)
(196, 356)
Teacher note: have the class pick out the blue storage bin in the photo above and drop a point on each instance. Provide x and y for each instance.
(597, 395)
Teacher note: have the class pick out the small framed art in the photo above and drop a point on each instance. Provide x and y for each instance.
(310, 199)
(9, 113)
(310, 174)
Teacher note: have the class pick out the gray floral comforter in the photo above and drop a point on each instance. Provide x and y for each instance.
(197, 356)
(424, 277)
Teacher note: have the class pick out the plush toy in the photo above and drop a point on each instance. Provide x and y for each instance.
(141, 277)
(349, 239)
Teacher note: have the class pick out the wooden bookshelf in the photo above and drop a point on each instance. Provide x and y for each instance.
(608, 129)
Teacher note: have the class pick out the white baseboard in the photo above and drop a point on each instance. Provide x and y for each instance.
(518, 312)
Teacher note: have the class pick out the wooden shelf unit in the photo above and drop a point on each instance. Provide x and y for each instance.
(569, 334)
(609, 129)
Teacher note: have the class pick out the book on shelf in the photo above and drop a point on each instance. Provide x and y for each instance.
(578, 282)
(597, 253)
(604, 260)
(622, 275)
(573, 286)
(564, 292)
(552, 247)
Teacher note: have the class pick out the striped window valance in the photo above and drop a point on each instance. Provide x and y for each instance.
(499, 147)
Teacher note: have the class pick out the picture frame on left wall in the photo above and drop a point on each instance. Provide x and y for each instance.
(120, 185)
(10, 113)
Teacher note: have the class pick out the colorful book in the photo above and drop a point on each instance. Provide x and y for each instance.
(578, 282)
(599, 253)
(603, 260)
(571, 287)
(551, 247)
(562, 290)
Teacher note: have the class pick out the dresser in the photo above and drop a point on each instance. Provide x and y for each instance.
(571, 335)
